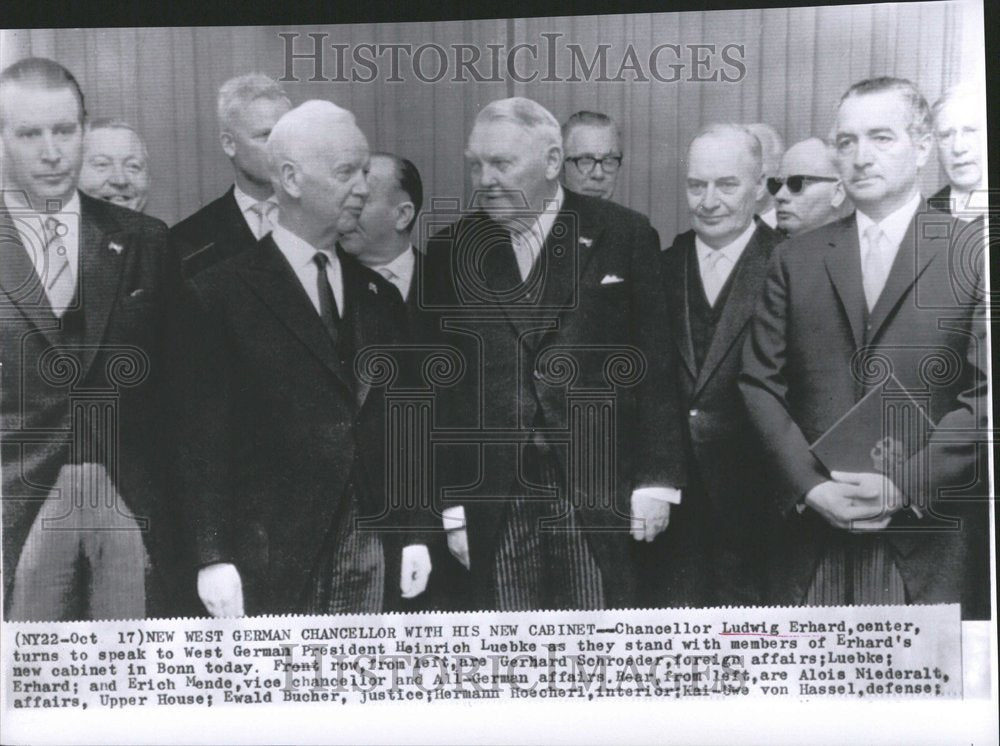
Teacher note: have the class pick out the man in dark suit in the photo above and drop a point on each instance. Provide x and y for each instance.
(383, 242)
(84, 285)
(248, 106)
(567, 425)
(282, 449)
(845, 305)
(711, 554)
(959, 125)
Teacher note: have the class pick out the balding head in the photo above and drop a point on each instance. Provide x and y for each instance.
(808, 191)
(318, 158)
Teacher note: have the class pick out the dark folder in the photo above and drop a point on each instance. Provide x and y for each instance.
(878, 434)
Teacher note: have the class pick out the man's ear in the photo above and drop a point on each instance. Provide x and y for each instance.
(553, 162)
(760, 188)
(290, 179)
(925, 146)
(404, 214)
(839, 195)
(228, 143)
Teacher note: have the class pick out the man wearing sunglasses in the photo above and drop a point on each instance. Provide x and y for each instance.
(593, 157)
(844, 306)
(808, 191)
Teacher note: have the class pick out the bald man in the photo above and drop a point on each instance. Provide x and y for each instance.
(281, 447)
(772, 147)
(807, 191)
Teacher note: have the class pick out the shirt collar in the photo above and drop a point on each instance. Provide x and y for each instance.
(297, 251)
(542, 225)
(15, 204)
(732, 251)
(402, 265)
(246, 202)
(893, 225)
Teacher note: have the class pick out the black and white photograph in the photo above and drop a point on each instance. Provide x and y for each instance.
(619, 359)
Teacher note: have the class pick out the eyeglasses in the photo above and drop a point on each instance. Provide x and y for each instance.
(794, 183)
(609, 163)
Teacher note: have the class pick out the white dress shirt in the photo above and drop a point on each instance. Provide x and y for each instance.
(529, 241)
(893, 228)
(247, 204)
(30, 227)
(724, 260)
(400, 271)
(300, 255)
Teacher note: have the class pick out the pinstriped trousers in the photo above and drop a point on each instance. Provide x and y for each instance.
(350, 574)
(543, 561)
(857, 569)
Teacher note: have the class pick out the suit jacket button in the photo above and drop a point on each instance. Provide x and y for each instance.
(693, 413)
(538, 375)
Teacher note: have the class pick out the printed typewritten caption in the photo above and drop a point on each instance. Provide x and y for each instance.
(803, 654)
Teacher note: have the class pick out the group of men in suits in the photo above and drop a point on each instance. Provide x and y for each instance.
(201, 412)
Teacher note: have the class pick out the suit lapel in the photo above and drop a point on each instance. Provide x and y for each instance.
(843, 265)
(275, 283)
(100, 272)
(906, 268)
(237, 224)
(21, 285)
(677, 299)
(743, 295)
(568, 250)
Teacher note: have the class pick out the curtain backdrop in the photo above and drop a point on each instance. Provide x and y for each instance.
(797, 63)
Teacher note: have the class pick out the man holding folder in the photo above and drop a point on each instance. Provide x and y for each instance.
(886, 295)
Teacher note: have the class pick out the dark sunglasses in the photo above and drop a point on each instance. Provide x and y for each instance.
(794, 183)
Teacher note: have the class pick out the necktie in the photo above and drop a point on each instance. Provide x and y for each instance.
(263, 211)
(524, 252)
(713, 275)
(60, 285)
(327, 301)
(873, 267)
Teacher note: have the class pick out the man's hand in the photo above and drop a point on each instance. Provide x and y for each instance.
(221, 590)
(650, 516)
(415, 569)
(860, 501)
(458, 538)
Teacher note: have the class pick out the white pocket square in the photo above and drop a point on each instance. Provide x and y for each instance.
(611, 280)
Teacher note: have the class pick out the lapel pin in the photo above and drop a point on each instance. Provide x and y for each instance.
(586, 241)
(116, 247)
(372, 287)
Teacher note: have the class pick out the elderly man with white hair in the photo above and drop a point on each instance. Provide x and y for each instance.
(548, 294)
(281, 445)
(959, 130)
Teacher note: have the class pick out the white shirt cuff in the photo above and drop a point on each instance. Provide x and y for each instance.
(667, 494)
(453, 518)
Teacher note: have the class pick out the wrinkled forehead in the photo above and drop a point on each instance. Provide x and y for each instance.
(26, 101)
(119, 142)
(588, 138)
(721, 155)
(490, 138)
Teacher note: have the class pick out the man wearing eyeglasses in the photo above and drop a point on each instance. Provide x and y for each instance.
(593, 157)
(714, 274)
(808, 191)
(845, 305)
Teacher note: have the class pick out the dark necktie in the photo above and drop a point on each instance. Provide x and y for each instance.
(337, 327)
(327, 301)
